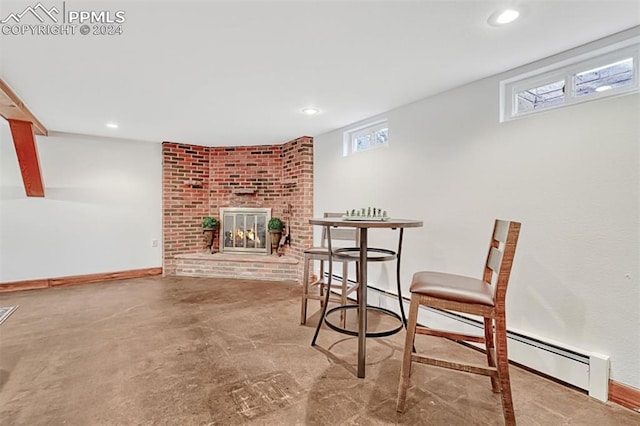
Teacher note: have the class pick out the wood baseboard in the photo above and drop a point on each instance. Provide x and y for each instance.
(624, 395)
(78, 279)
(23, 285)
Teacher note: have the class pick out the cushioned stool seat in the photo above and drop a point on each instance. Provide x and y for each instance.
(457, 288)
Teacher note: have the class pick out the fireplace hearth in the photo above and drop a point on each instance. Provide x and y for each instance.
(244, 230)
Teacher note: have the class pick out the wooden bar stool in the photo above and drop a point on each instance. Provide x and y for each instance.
(483, 297)
(347, 237)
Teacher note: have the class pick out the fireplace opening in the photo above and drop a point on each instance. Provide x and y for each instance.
(244, 230)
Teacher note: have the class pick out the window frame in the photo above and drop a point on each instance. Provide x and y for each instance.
(567, 71)
(369, 128)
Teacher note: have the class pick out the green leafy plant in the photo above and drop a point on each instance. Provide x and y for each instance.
(209, 222)
(275, 224)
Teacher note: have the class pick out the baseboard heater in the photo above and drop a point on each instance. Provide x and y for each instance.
(582, 369)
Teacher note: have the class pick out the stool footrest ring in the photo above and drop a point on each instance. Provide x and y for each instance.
(373, 254)
(369, 333)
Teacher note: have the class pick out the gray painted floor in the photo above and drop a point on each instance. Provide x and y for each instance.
(196, 351)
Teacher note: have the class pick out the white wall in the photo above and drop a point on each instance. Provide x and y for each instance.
(571, 176)
(102, 208)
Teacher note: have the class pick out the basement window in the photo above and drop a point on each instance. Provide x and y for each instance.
(601, 75)
(365, 137)
(543, 96)
(607, 77)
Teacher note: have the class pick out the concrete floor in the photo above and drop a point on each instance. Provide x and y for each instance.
(196, 351)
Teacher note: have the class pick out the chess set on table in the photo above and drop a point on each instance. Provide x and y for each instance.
(369, 213)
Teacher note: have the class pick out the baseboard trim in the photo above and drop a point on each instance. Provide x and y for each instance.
(624, 395)
(78, 279)
(24, 285)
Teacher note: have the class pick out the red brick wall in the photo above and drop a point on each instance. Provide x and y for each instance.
(185, 180)
(198, 181)
(236, 170)
(297, 190)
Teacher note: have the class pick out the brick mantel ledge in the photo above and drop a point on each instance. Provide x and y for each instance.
(221, 265)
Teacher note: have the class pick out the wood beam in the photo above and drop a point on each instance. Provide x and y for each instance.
(24, 141)
(12, 108)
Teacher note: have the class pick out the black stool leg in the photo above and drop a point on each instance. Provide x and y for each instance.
(398, 254)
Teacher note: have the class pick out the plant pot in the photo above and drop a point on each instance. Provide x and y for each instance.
(208, 238)
(275, 235)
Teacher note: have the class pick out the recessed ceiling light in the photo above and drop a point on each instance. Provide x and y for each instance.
(503, 17)
(602, 88)
(310, 110)
(112, 125)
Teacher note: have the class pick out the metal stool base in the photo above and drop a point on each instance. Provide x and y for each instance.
(369, 333)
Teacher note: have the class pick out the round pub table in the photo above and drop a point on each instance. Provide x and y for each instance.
(364, 254)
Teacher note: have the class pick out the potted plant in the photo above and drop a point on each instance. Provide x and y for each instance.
(209, 225)
(209, 222)
(275, 227)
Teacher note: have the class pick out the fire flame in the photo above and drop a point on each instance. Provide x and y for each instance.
(251, 235)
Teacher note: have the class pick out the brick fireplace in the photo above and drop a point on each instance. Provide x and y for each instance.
(198, 181)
